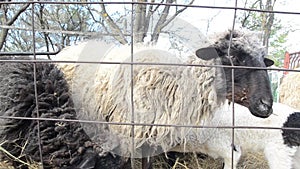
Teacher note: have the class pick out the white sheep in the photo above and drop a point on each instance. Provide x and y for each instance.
(288, 89)
(278, 146)
(159, 94)
(162, 94)
(296, 160)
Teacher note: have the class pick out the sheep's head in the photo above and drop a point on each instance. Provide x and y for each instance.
(251, 86)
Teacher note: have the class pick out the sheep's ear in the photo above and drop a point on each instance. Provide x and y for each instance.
(268, 62)
(207, 53)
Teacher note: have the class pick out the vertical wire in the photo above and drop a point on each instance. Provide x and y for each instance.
(131, 86)
(232, 85)
(35, 84)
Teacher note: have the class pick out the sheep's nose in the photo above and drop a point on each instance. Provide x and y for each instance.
(266, 107)
(267, 102)
(261, 107)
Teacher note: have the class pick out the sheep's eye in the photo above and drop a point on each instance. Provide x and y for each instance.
(233, 58)
(240, 59)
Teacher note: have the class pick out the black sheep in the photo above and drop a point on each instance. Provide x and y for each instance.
(63, 144)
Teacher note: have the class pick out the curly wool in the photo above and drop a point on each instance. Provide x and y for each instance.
(278, 146)
(288, 90)
(64, 144)
(159, 94)
(242, 41)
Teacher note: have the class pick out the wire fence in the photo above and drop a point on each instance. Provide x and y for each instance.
(35, 53)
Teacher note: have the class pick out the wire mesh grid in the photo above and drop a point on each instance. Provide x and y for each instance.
(35, 61)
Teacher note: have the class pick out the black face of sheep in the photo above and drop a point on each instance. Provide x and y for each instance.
(251, 86)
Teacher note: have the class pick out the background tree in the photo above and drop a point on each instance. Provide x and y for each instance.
(273, 33)
(9, 14)
(61, 25)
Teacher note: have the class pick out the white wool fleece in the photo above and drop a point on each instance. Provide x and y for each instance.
(162, 94)
(270, 141)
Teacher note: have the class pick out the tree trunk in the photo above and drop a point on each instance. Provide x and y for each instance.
(268, 23)
(139, 27)
(4, 32)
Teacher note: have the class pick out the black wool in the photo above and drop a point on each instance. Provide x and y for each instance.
(64, 144)
(292, 137)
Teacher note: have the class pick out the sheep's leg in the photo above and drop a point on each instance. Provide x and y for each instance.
(296, 159)
(147, 152)
(147, 163)
(89, 161)
(228, 157)
(279, 156)
(172, 157)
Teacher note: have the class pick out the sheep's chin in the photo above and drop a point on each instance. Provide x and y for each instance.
(261, 112)
(256, 108)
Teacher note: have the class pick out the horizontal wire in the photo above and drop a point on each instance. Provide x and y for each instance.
(153, 3)
(27, 53)
(148, 124)
(133, 63)
(53, 31)
(145, 64)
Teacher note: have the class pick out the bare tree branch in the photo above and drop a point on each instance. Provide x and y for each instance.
(99, 21)
(63, 24)
(112, 25)
(263, 21)
(163, 22)
(150, 14)
(176, 13)
(4, 32)
(43, 26)
(15, 17)
(62, 31)
(210, 20)
(248, 13)
(94, 18)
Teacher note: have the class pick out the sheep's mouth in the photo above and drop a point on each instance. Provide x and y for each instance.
(256, 107)
(240, 97)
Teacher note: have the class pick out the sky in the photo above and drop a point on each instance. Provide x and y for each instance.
(221, 20)
(292, 21)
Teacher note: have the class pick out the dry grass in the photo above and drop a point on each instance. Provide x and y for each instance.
(8, 165)
(193, 161)
(183, 161)
(5, 165)
(188, 161)
(253, 161)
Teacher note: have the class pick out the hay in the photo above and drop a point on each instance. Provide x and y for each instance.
(201, 161)
(187, 161)
(253, 161)
(6, 164)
